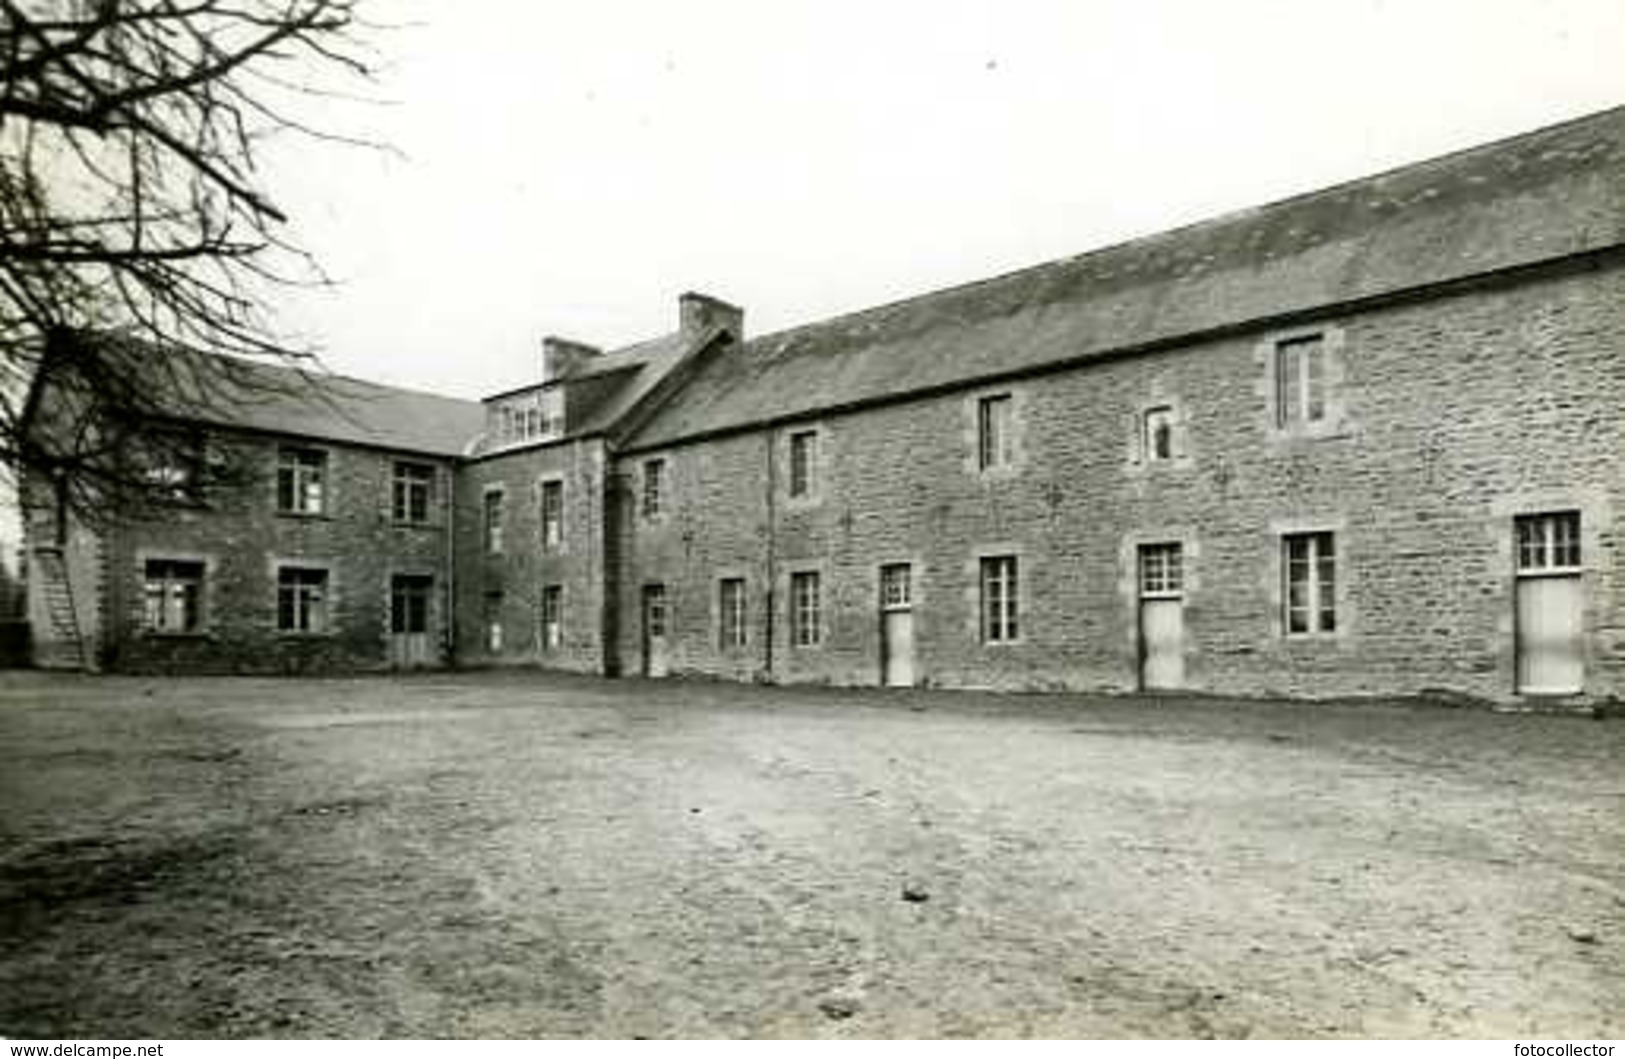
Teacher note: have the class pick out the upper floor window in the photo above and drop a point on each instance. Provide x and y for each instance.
(1159, 434)
(301, 599)
(1300, 380)
(301, 481)
(1549, 543)
(1000, 599)
(172, 595)
(537, 415)
(731, 611)
(803, 461)
(411, 488)
(806, 619)
(552, 515)
(993, 438)
(493, 519)
(654, 487)
(1311, 584)
(172, 465)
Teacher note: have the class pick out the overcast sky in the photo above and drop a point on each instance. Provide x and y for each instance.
(570, 168)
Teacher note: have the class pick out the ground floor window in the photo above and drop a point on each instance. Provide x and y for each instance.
(173, 595)
(1549, 543)
(1162, 570)
(1000, 596)
(493, 622)
(552, 616)
(806, 620)
(302, 599)
(731, 611)
(1310, 574)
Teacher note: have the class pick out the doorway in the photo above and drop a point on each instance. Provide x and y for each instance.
(656, 661)
(1549, 609)
(897, 626)
(1162, 617)
(409, 643)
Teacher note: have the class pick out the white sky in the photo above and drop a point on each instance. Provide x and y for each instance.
(570, 168)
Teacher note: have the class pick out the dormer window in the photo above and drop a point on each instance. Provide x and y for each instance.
(537, 415)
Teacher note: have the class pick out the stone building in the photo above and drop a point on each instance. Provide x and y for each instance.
(1362, 441)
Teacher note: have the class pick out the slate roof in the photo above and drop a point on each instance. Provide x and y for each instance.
(1545, 194)
(254, 395)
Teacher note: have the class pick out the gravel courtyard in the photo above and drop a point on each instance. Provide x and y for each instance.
(531, 855)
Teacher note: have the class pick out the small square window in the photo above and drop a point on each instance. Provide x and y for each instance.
(1549, 543)
(1159, 434)
(1161, 570)
(896, 589)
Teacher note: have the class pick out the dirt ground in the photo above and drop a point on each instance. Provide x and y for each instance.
(530, 855)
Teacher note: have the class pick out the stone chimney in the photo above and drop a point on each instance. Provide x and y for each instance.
(698, 312)
(562, 358)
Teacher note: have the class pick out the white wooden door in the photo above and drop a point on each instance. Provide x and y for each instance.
(1162, 644)
(1550, 657)
(899, 648)
(656, 660)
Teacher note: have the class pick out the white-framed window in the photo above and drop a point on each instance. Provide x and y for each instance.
(806, 618)
(1158, 439)
(172, 595)
(896, 586)
(493, 516)
(411, 488)
(1300, 380)
(552, 616)
(654, 487)
(301, 599)
(1001, 590)
(301, 481)
(552, 504)
(803, 462)
(493, 622)
(1548, 543)
(994, 443)
(1309, 573)
(1162, 572)
(731, 612)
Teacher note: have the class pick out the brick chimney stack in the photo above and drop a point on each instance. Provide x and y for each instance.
(562, 357)
(698, 312)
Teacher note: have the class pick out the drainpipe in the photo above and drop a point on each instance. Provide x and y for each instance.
(448, 614)
(771, 436)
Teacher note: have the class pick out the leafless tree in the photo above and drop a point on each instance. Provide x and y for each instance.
(134, 220)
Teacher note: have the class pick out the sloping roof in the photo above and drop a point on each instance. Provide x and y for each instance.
(253, 395)
(1546, 194)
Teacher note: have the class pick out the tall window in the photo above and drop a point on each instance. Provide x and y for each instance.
(552, 616)
(1549, 543)
(411, 487)
(654, 487)
(494, 500)
(552, 515)
(731, 611)
(1300, 380)
(993, 442)
(803, 456)
(1161, 570)
(493, 622)
(172, 595)
(1159, 434)
(301, 477)
(805, 618)
(1000, 599)
(409, 603)
(301, 599)
(1311, 584)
